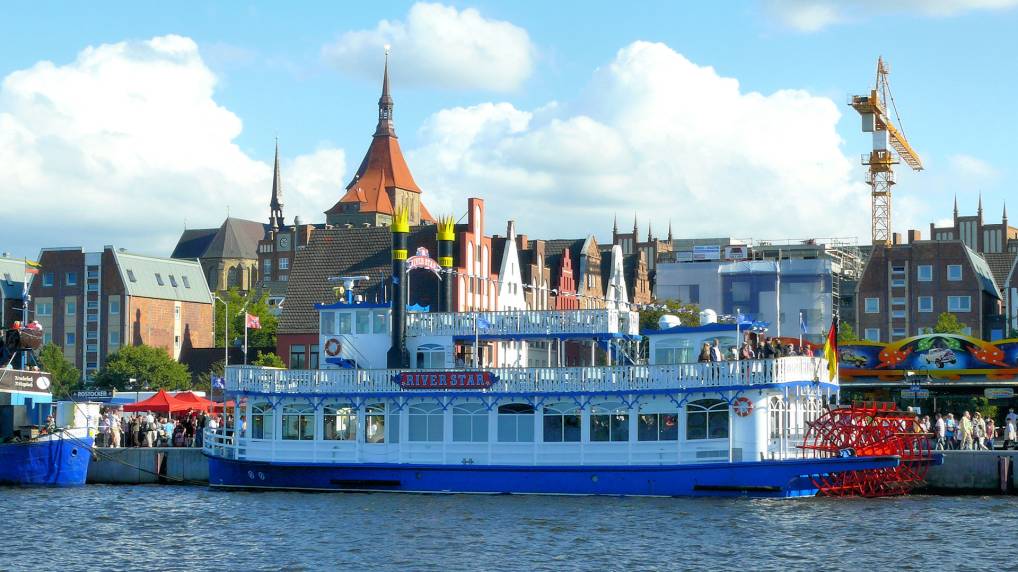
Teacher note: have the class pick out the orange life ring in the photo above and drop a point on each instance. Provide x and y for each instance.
(332, 347)
(742, 406)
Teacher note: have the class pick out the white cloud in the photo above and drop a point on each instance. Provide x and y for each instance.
(658, 134)
(969, 167)
(440, 46)
(126, 143)
(814, 15)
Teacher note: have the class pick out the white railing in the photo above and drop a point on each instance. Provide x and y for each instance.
(523, 322)
(540, 379)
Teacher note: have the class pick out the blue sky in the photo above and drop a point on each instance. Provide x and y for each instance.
(952, 76)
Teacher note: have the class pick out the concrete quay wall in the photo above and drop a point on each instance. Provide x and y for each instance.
(973, 472)
(135, 466)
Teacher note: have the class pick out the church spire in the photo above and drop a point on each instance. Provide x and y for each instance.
(1004, 217)
(669, 231)
(636, 230)
(956, 207)
(649, 223)
(276, 204)
(615, 224)
(385, 127)
(979, 210)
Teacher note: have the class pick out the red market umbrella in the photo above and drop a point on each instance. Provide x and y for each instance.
(161, 402)
(218, 407)
(197, 401)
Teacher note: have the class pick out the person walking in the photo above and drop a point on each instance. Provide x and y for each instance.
(951, 431)
(991, 433)
(940, 431)
(1010, 433)
(966, 431)
(116, 430)
(978, 432)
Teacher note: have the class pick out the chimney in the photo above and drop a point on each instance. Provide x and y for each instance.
(896, 238)
(914, 236)
(521, 242)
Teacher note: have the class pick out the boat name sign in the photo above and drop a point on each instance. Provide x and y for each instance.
(445, 379)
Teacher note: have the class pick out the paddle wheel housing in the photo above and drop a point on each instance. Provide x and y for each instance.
(865, 430)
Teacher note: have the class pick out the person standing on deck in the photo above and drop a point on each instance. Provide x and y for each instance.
(715, 351)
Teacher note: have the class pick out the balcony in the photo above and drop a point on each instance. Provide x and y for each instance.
(682, 377)
(525, 324)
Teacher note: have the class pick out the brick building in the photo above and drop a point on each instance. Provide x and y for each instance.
(93, 303)
(652, 249)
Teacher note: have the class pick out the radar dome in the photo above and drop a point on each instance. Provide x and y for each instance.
(668, 321)
(708, 316)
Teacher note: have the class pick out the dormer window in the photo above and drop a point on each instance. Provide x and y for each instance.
(159, 279)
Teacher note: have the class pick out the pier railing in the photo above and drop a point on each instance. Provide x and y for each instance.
(540, 379)
(524, 322)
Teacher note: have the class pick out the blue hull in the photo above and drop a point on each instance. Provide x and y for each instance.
(55, 463)
(758, 479)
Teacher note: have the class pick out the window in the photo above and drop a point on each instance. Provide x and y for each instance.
(93, 286)
(47, 278)
(470, 423)
(297, 355)
(426, 421)
(47, 338)
(430, 356)
(898, 333)
(924, 331)
(92, 305)
(609, 422)
(954, 272)
(69, 338)
(92, 348)
(872, 305)
(926, 303)
(657, 426)
(345, 323)
(924, 273)
(313, 357)
(898, 314)
(328, 323)
(339, 422)
(516, 423)
(898, 283)
(959, 303)
(381, 321)
(159, 280)
(778, 417)
(187, 283)
(261, 421)
(43, 309)
(92, 318)
(91, 335)
(872, 334)
(561, 423)
(173, 281)
(298, 422)
(363, 321)
(674, 351)
(130, 275)
(284, 263)
(114, 305)
(114, 338)
(897, 270)
(898, 301)
(707, 419)
(72, 279)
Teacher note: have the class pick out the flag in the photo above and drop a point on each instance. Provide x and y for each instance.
(32, 267)
(802, 322)
(831, 350)
(252, 321)
(218, 382)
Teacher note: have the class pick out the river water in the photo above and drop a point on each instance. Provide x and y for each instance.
(192, 528)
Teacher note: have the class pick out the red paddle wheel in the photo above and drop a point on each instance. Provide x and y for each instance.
(866, 430)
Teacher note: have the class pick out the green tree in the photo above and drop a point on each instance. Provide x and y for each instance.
(64, 377)
(947, 323)
(688, 313)
(268, 360)
(846, 333)
(239, 303)
(150, 368)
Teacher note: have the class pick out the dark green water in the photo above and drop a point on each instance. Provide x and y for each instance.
(191, 528)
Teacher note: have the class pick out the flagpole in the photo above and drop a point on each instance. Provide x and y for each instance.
(802, 323)
(245, 336)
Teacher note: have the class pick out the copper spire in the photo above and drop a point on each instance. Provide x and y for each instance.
(385, 127)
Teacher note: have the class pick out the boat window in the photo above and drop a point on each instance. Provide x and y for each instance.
(363, 321)
(777, 409)
(328, 320)
(561, 423)
(470, 422)
(340, 422)
(657, 426)
(609, 422)
(381, 322)
(430, 356)
(516, 423)
(393, 427)
(298, 422)
(374, 423)
(673, 351)
(345, 327)
(707, 419)
(261, 421)
(426, 420)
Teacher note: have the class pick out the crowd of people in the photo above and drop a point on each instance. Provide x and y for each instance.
(755, 347)
(118, 429)
(972, 432)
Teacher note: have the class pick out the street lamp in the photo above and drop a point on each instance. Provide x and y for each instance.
(226, 328)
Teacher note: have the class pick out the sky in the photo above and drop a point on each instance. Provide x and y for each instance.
(124, 123)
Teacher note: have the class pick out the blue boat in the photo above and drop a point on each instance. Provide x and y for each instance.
(58, 460)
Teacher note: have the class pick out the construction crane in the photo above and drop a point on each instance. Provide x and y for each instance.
(873, 110)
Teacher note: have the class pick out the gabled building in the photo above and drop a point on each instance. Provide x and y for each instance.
(584, 261)
(652, 249)
(979, 236)
(383, 181)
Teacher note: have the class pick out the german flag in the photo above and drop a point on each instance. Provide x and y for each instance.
(32, 267)
(831, 351)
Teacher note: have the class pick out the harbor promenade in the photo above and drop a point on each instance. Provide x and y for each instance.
(148, 465)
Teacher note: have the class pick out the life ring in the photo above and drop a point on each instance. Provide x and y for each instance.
(332, 347)
(742, 406)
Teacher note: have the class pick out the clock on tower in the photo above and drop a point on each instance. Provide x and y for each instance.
(283, 243)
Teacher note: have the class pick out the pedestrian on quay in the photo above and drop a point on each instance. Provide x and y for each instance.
(1010, 432)
(940, 431)
(104, 430)
(966, 429)
(166, 434)
(979, 432)
(951, 431)
(991, 433)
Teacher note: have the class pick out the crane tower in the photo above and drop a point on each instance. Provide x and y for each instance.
(881, 160)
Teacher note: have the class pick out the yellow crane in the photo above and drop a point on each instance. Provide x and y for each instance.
(873, 110)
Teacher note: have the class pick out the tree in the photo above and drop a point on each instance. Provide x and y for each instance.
(688, 313)
(947, 323)
(150, 368)
(250, 302)
(64, 377)
(268, 360)
(846, 333)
